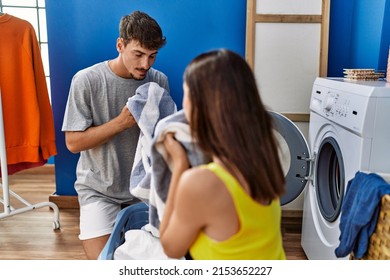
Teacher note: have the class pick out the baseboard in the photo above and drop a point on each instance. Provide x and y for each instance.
(65, 201)
(46, 169)
(292, 221)
(71, 202)
(292, 213)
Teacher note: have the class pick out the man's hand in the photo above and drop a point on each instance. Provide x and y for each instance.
(125, 119)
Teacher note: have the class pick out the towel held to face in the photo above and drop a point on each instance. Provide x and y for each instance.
(161, 171)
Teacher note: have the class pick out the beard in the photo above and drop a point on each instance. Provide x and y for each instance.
(140, 77)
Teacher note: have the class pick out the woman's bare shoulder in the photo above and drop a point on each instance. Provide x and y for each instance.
(200, 181)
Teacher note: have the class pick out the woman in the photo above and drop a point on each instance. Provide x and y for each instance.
(230, 208)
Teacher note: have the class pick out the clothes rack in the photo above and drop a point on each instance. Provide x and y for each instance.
(7, 193)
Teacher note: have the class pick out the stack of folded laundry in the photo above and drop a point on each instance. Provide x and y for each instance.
(362, 74)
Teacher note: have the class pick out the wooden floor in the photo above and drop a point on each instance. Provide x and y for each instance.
(30, 235)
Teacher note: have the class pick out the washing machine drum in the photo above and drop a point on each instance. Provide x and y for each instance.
(329, 179)
(294, 156)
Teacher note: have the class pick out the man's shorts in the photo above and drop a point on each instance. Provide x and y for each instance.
(98, 218)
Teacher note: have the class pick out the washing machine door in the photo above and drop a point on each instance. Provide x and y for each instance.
(294, 155)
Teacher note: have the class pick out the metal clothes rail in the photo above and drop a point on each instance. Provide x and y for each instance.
(7, 193)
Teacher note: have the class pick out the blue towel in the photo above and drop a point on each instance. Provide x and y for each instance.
(359, 213)
(150, 104)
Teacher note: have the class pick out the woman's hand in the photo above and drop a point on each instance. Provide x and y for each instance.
(176, 153)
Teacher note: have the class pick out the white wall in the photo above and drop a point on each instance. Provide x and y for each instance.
(287, 57)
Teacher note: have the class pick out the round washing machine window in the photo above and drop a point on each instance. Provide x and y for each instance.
(330, 178)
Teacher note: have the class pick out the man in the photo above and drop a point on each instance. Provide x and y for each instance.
(98, 124)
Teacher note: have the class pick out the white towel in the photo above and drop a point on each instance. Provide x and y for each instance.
(140, 245)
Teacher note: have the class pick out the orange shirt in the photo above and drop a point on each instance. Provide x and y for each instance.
(28, 117)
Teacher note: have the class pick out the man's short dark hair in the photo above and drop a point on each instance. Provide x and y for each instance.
(141, 27)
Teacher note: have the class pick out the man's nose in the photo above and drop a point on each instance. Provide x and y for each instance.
(146, 62)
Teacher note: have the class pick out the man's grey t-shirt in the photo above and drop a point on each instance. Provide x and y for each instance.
(97, 96)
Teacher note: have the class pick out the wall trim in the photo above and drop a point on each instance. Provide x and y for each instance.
(297, 117)
(292, 213)
(65, 201)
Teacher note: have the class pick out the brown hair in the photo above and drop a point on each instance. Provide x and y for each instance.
(228, 120)
(141, 27)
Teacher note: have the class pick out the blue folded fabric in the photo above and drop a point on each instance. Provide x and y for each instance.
(359, 213)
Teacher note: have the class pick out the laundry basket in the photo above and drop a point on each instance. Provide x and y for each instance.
(379, 244)
(134, 216)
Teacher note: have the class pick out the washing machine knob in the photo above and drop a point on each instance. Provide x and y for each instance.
(329, 102)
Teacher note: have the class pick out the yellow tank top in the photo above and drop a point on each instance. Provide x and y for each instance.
(260, 235)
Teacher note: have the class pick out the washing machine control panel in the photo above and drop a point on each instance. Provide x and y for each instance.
(341, 107)
(336, 106)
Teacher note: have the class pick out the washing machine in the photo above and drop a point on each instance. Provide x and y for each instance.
(348, 132)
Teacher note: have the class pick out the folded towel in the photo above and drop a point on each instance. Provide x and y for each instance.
(150, 104)
(161, 171)
(359, 213)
